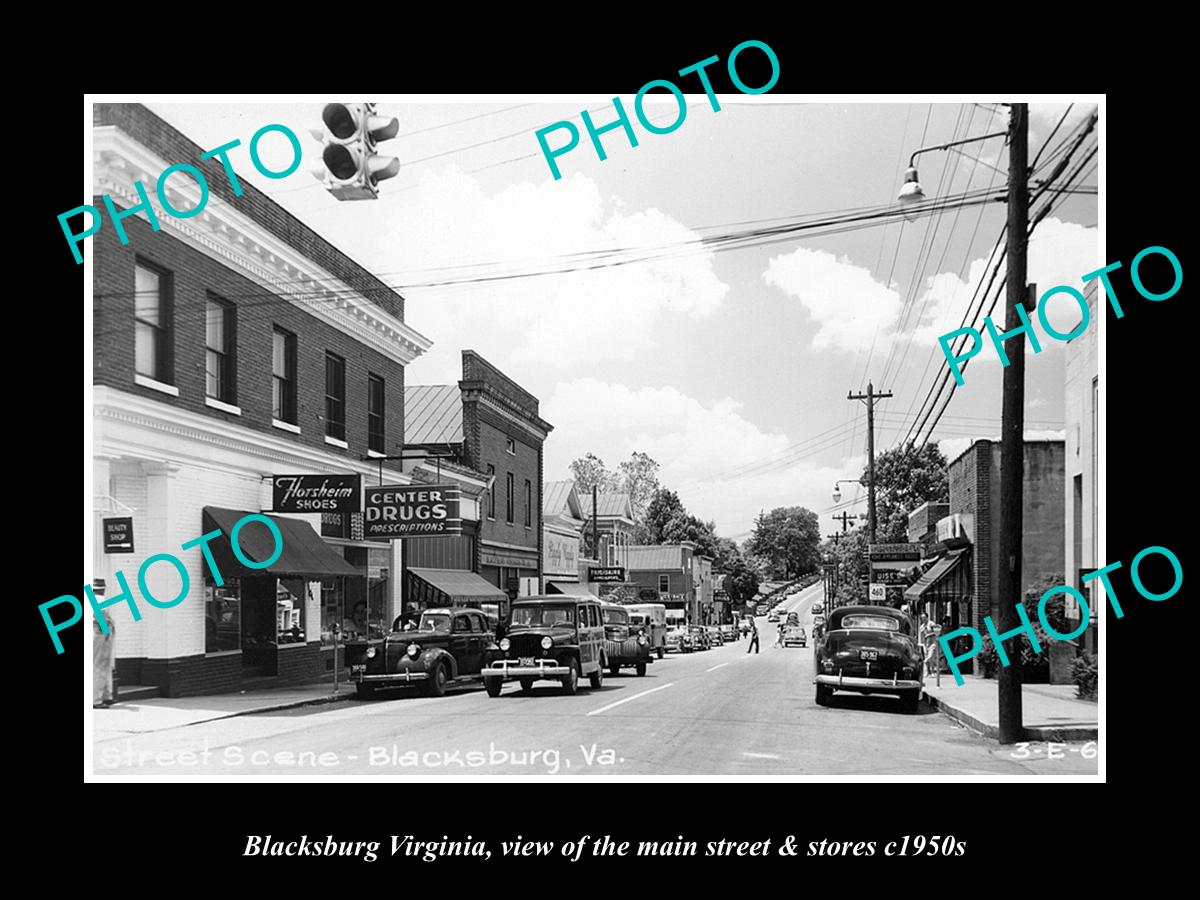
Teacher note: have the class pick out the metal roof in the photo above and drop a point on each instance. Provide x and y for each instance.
(610, 503)
(433, 414)
(556, 499)
(667, 556)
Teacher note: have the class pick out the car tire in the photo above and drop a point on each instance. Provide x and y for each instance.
(570, 681)
(660, 652)
(596, 679)
(641, 669)
(435, 686)
(365, 691)
(526, 685)
(824, 693)
(614, 670)
(911, 701)
(494, 686)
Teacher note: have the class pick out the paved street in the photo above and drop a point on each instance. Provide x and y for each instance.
(719, 712)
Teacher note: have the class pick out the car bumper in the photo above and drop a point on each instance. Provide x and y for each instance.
(512, 668)
(404, 677)
(859, 683)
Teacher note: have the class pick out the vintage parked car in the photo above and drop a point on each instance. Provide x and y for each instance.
(624, 643)
(773, 616)
(677, 639)
(870, 650)
(729, 631)
(700, 637)
(449, 644)
(715, 638)
(793, 618)
(794, 634)
(818, 608)
(549, 637)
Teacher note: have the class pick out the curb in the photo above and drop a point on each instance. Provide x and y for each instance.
(291, 704)
(1069, 732)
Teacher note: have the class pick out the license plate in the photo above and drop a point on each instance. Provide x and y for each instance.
(868, 654)
(526, 660)
(359, 669)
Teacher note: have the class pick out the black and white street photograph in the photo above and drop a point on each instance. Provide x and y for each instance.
(703, 433)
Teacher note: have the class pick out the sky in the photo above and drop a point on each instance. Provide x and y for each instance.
(731, 367)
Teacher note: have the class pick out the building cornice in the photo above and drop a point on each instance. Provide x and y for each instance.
(128, 424)
(475, 391)
(238, 242)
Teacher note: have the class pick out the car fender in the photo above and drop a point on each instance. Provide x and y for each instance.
(436, 655)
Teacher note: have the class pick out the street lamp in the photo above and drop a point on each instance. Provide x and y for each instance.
(837, 490)
(911, 191)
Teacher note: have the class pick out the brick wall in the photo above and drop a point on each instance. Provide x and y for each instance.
(193, 275)
(173, 147)
(491, 437)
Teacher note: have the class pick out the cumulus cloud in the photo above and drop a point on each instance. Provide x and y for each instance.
(723, 466)
(1059, 253)
(602, 314)
(849, 307)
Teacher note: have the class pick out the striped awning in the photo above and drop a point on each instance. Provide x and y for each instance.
(937, 573)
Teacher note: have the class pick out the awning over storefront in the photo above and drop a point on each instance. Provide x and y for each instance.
(937, 574)
(894, 565)
(304, 554)
(457, 587)
(571, 589)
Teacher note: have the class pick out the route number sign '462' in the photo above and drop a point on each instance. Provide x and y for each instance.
(877, 593)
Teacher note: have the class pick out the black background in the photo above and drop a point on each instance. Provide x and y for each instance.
(1060, 831)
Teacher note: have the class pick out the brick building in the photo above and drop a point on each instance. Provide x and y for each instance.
(492, 427)
(975, 514)
(1081, 541)
(229, 347)
(669, 569)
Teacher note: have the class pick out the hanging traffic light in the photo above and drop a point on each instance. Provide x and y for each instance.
(351, 168)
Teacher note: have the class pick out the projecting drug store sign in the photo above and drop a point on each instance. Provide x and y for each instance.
(411, 510)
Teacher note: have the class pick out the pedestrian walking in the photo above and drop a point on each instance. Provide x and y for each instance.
(779, 635)
(753, 637)
(103, 663)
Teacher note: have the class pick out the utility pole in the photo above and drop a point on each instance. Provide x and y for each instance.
(845, 518)
(1012, 421)
(871, 396)
(595, 527)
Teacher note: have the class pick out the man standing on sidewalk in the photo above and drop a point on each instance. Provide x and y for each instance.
(753, 637)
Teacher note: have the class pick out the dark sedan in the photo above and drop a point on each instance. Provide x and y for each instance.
(869, 650)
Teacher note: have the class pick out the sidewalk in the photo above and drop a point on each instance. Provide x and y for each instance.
(159, 713)
(1050, 712)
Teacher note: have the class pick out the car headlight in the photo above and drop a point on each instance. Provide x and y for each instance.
(413, 650)
(505, 643)
(547, 642)
(370, 653)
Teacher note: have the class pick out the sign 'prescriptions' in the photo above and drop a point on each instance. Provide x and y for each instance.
(411, 510)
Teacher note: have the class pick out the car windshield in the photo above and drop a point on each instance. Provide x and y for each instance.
(435, 622)
(616, 617)
(527, 616)
(877, 623)
(636, 620)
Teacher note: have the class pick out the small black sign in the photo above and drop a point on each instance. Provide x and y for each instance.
(317, 493)
(606, 573)
(118, 535)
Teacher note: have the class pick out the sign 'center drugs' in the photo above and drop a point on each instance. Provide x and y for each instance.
(411, 510)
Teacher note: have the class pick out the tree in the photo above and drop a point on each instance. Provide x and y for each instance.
(638, 477)
(904, 479)
(789, 539)
(741, 579)
(848, 557)
(590, 471)
(663, 506)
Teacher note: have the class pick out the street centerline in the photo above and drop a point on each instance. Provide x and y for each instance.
(714, 668)
(595, 712)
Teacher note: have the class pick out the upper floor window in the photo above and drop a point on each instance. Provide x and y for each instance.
(375, 413)
(283, 376)
(528, 503)
(152, 317)
(335, 396)
(508, 493)
(511, 446)
(492, 492)
(220, 344)
(664, 584)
